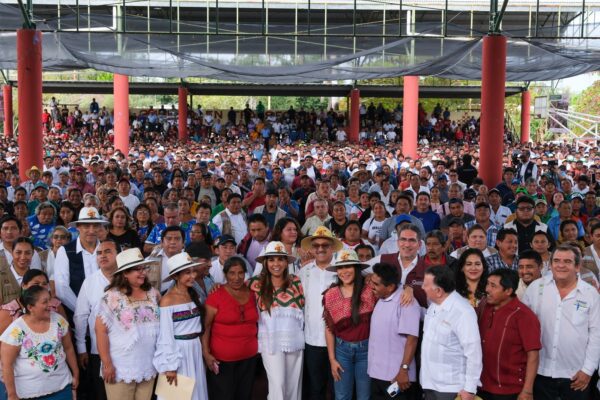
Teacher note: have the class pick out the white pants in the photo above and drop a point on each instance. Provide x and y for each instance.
(284, 372)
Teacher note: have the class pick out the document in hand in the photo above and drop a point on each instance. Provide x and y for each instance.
(183, 390)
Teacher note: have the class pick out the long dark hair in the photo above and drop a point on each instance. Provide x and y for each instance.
(359, 284)
(122, 285)
(266, 284)
(461, 281)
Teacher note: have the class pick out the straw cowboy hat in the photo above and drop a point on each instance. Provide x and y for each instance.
(130, 258)
(178, 263)
(346, 258)
(321, 233)
(274, 249)
(32, 169)
(89, 215)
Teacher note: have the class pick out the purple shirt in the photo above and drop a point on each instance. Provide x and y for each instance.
(390, 323)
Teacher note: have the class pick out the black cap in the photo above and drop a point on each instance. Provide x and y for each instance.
(226, 239)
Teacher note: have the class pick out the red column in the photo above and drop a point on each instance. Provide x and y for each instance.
(410, 116)
(182, 130)
(354, 116)
(8, 110)
(121, 93)
(493, 79)
(525, 110)
(29, 78)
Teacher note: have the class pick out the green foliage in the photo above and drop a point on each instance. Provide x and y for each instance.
(588, 101)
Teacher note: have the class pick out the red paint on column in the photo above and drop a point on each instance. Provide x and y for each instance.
(182, 130)
(354, 116)
(121, 94)
(492, 109)
(525, 109)
(410, 116)
(8, 110)
(29, 78)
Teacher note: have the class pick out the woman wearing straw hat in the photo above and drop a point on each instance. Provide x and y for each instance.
(348, 306)
(178, 348)
(280, 300)
(127, 327)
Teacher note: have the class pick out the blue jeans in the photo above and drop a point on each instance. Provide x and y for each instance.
(64, 394)
(353, 357)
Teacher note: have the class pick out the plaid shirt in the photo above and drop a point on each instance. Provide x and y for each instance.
(491, 233)
(494, 262)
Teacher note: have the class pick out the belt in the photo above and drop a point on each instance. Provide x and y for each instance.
(188, 336)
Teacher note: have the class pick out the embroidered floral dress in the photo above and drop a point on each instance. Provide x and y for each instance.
(178, 347)
(40, 368)
(133, 327)
(281, 329)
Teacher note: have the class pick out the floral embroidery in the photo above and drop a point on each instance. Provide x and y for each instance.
(130, 314)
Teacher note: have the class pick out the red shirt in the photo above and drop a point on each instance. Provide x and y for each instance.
(259, 201)
(234, 329)
(507, 334)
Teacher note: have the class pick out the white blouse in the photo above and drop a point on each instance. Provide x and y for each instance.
(133, 327)
(40, 368)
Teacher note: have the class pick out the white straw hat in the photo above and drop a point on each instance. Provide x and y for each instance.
(178, 263)
(89, 215)
(130, 258)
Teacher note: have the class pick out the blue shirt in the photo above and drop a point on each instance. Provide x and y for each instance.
(554, 227)
(155, 235)
(40, 233)
(430, 219)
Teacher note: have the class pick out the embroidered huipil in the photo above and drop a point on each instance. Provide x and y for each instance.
(133, 327)
(281, 329)
(40, 368)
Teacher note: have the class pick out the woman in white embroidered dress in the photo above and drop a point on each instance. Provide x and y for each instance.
(280, 300)
(178, 349)
(127, 328)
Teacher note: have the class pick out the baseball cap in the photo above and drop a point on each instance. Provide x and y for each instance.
(402, 218)
(226, 239)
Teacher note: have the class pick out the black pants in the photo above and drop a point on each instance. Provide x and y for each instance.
(379, 391)
(94, 379)
(490, 396)
(545, 388)
(317, 373)
(234, 380)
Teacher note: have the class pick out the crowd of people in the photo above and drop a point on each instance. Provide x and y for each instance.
(341, 270)
(378, 124)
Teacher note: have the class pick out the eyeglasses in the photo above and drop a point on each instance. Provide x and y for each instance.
(320, 245)
(141, 268)
(59, 237)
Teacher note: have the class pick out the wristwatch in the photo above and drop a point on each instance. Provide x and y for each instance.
(404, 366)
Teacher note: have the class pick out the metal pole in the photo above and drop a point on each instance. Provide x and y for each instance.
(400, 19)
(445, 20)
(537, 16)
(582, 18)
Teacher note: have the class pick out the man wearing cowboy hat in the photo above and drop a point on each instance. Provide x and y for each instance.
(34, 175)
(315, 280)
(84, 318)
(76, 261)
